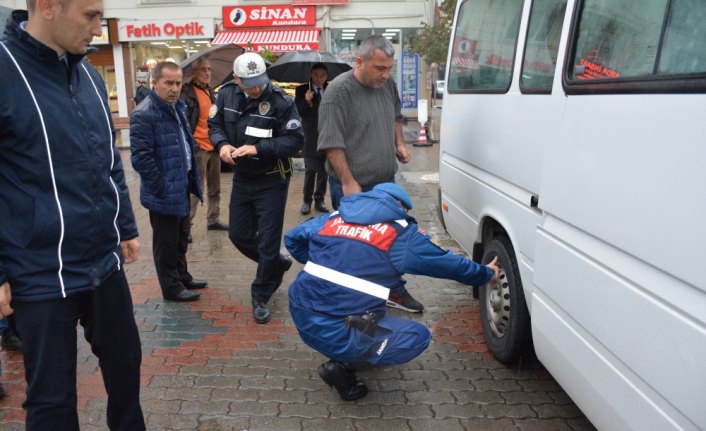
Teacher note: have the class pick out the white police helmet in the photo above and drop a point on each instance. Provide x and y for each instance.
(250, 68)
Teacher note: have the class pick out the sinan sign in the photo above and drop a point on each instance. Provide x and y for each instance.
(165, 29)
(268, 16)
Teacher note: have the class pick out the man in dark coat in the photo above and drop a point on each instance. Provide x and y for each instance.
(307, 98)
(163, 154)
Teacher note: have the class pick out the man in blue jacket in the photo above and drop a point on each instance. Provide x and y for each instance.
(163, 154)
(67, 225)
(354, 257)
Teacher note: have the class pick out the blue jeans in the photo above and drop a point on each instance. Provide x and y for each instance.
(336, 190)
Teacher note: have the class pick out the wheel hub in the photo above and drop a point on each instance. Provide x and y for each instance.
(498, 304)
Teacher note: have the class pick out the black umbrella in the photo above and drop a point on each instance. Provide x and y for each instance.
(296, 66)
(221, 58)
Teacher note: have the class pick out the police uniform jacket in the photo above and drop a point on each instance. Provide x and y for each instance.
(64, 205)
(271, 124)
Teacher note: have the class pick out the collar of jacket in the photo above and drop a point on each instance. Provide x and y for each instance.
(32, 45)
(163, 105)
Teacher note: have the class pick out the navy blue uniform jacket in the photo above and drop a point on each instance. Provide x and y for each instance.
(64, 205)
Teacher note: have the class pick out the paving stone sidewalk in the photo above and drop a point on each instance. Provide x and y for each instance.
(208, 366)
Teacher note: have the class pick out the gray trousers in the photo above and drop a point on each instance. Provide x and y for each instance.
(209, 165)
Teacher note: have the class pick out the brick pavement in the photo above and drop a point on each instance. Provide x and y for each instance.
(208, 366)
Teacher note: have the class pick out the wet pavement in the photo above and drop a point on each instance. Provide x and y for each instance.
(208, 366)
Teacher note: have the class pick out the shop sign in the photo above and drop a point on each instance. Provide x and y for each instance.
(103, 39)
(320, 2)
(165, 29)
(285, 47)
(268, 16)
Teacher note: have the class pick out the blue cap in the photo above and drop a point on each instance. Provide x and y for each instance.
(397, 192)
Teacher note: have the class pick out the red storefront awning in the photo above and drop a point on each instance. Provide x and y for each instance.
(305, 39)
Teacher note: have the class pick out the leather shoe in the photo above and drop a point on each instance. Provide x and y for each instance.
(284, 264)
(10, 341)
(321, 207)
(306, 208)
(195, 283)
(343, 378)
(183, 296)
(260, 311)
(217, 226)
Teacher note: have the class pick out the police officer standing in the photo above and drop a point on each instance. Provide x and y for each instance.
(256, 128)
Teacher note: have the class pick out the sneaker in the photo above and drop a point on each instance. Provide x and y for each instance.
(10, 341)
(404, 301)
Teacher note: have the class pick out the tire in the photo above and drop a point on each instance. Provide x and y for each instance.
(503, 309)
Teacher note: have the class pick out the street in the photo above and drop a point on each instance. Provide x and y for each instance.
(208, 366)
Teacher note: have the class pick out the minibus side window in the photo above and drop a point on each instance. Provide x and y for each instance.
(483, 46)
(618, 39)
(684, 46)
(542, 46)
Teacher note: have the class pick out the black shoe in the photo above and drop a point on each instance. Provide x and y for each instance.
(306, 208)
(260, 311)
(10, 341)
(189, 239)
(194, 284)
(321, 207)
(343, 378)
(217, 226)
(284, 264)
(183, 296)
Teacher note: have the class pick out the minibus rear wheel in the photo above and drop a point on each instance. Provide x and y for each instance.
(503, 309)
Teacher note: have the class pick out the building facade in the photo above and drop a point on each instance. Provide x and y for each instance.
(140, 33)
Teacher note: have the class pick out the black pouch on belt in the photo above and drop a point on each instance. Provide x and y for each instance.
(367, 323)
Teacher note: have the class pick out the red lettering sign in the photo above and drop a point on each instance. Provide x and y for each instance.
(268, 16)
(380, 235)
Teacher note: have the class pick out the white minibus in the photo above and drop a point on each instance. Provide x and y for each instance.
(573, 146)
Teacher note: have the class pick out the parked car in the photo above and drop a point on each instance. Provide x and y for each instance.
(438, 89)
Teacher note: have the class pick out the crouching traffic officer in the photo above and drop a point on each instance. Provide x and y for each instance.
(256, 128)
(354, 257)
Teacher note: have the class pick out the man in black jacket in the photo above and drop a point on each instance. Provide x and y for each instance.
(65, 234)
(308, 97)
(255, 127)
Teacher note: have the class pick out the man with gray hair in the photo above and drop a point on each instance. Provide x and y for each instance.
(66, 231)
(360, 128)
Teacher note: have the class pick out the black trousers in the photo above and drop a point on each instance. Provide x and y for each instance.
(255, 227)
(49, 336)
(315, 178)
(170, 240)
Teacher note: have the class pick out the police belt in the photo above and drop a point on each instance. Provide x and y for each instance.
(349, 281)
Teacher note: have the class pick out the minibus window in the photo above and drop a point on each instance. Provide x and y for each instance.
(483, 49)
(618, 39)
(684, 46)
(542, 46)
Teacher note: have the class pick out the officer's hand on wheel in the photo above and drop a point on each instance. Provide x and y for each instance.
(494, 267)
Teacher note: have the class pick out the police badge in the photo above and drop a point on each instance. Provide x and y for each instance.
(264, 108)
(212, 111)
